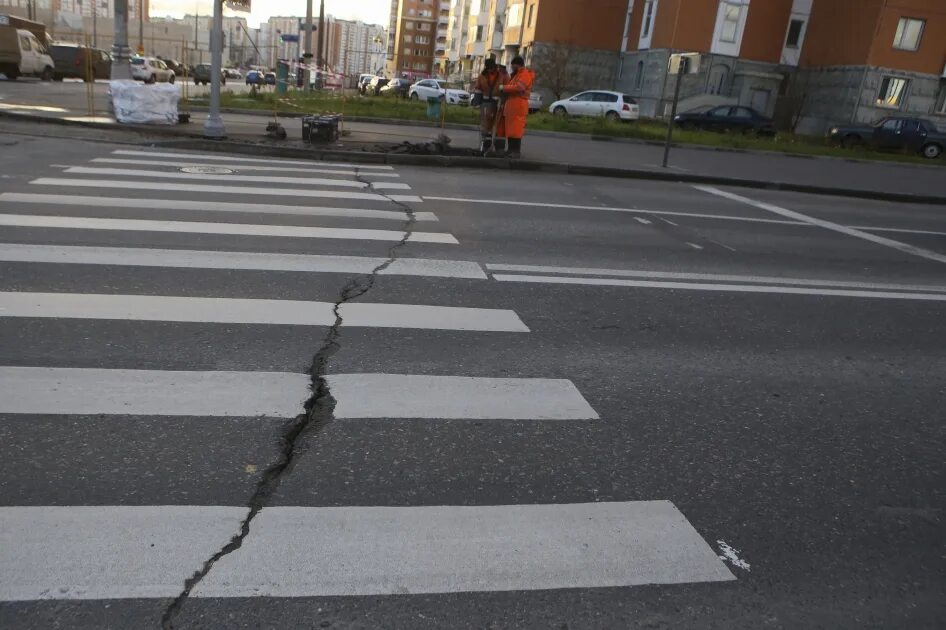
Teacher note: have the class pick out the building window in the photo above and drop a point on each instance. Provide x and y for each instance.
(531, 15)
(891, 93)
(794, 33)
(941, 108)
(639, 78)
(410, 38)
(408, 26)
(909, 33)
(479, 33)
(648, 18)
(731, 15)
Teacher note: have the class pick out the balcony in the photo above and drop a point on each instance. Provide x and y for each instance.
(511, 35)
(476, 49)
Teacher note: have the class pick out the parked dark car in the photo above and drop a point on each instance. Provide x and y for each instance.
(397, 88)
(202, 75)
(72, 62)
(732, 118)
(375, 85)
(894, 133)
(176, 66)
(255, 77)
(270, 78)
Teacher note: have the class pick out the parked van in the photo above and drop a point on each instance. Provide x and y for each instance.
(22, 54)
(73, 61)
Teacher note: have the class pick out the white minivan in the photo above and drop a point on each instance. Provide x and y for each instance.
(24, 55)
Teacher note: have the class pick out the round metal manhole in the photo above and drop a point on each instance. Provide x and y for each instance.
(207, 170)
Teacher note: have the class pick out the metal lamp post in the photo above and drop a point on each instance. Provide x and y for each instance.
(214, 127)
(121, 54)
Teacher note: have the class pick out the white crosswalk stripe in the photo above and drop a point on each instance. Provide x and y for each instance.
(236, 229)
(120, 551)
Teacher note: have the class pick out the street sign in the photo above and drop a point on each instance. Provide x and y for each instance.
(289, 37)
(242, 6)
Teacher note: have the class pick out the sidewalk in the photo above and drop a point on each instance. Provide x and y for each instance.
(579, 155)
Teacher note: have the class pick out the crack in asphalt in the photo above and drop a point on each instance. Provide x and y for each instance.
(319, 409)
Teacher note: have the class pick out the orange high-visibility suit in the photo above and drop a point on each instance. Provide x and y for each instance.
(516, 109)
(488, 85)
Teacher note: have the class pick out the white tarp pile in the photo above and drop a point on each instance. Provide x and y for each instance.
(135, 102)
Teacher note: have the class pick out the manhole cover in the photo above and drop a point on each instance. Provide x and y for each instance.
(207, 170)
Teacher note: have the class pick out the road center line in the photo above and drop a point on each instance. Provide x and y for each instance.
(734, 288)
(828, 225)
(714, 277)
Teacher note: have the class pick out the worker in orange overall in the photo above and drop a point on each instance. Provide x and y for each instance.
(516, 109)
(486, 95)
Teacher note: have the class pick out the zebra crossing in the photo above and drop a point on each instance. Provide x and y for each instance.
(123, 550)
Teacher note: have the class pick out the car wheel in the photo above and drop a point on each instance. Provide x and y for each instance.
(47, 74)
(560, 111)
(613, 116)
(152, 79)
(932, 151)
(851, 142)
(171, 79)
(415, 97)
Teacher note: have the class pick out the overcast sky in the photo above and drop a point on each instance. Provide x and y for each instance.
(371, 11)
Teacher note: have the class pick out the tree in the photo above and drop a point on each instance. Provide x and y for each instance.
(554, 67)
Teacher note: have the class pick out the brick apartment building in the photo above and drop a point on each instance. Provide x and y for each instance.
(809, 63)
(417, 34)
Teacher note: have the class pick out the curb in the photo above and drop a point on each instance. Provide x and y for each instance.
(187, 141)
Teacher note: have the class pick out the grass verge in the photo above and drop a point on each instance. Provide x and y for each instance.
(650, 130)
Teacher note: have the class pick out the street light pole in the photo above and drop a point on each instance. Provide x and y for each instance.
(214, 127)
(141, 26)
(318, 55)
(121, 54)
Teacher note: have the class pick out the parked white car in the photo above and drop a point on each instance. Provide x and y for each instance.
(151, 70)
(434, 88)
(611, 105)
(535, 102)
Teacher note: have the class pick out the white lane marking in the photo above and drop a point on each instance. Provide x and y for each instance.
(243, 167)
(714, 277)
(91, 391)
(828, 225)
(736, 288)
(669, 222)
(565, 206)
(723, 245)
(211, 206)
(870, 228)
(235, 179)
(642, 220)
(460, 397)
(694, 245)
(731, 555)
(121, 552)
(229, 158)
(256, 261)
(168, 308)
(271, 191)
(241, 229)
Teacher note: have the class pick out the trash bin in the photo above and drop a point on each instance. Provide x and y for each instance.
(433, 107)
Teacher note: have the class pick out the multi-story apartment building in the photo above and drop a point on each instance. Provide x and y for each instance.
(809, 63)
(417, 34)
(356, 48)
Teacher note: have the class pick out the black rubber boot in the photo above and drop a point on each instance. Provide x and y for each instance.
(515, 148)
(500, 146)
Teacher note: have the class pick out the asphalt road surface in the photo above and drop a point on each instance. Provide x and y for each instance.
(243, 392)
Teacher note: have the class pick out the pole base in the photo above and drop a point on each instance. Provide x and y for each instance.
(214, 128)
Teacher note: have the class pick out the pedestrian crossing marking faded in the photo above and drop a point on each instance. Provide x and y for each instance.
(238, 229)
(119, 552)
(247, 167)
(218, 157)
(236, 179)
(270, 191)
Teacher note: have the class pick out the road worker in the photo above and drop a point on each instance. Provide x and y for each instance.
(486, 95)
(516, 94)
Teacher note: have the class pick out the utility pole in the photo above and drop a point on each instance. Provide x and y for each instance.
(318, 58)
(121, 54)
(214, 127)
(95, 23)
(307, 56)
(141, 27)
(196, 26)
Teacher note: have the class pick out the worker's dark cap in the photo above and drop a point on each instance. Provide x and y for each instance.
(489, 64)
(518, 61)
